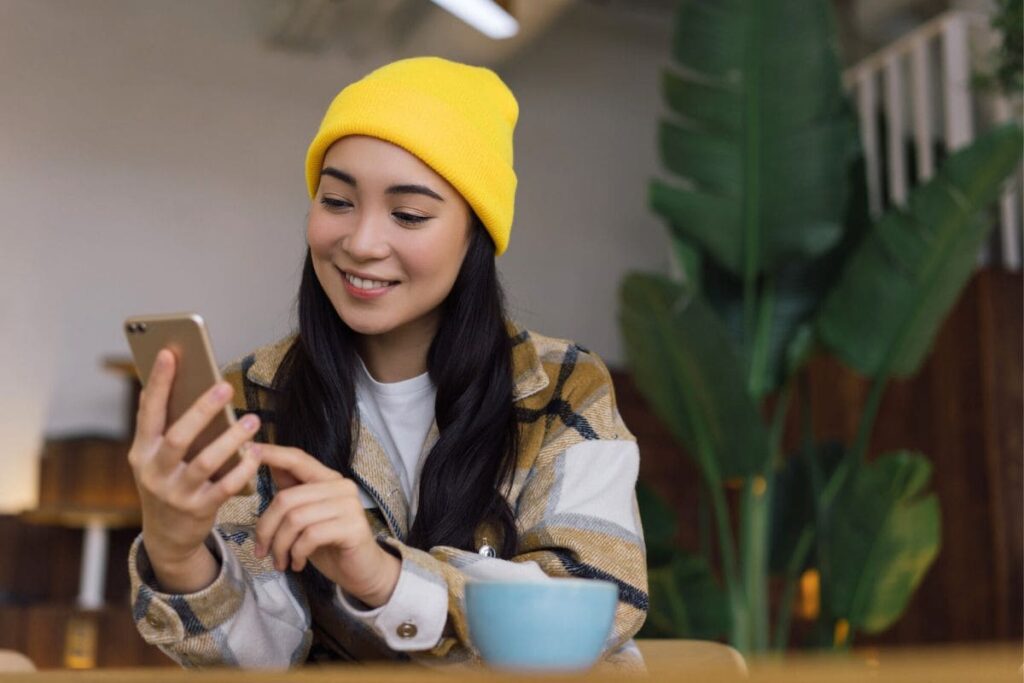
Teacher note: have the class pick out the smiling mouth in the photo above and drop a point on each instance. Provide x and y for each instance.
(366, 285)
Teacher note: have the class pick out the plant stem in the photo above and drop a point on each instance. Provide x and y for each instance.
(752, 211)
(713, 483)
(779, 423)
(754, 553)
(722, 526)
(796, 563)
(867, 420)
(704, 522)
(756, 381)
(738, 636)
(803, 545)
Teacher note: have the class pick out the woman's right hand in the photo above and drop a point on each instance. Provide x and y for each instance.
(179, 502)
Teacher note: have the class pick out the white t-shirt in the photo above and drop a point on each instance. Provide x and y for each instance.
(399, 414)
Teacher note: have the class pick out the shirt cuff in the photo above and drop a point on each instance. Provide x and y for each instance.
(164, 618)
(415, 615)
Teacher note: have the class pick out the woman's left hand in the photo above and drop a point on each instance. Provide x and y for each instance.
(316, 515)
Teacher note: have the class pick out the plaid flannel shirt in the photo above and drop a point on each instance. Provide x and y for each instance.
(572, 494)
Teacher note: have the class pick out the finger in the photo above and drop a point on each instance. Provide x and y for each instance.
(283, 479)
(211, 458)
(298, 496)
(151, 417)
(294, 523)
(181, 434)
(298, 463)
(334, 531)
(214, 494)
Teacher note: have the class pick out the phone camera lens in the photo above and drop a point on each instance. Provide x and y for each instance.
(142, 327)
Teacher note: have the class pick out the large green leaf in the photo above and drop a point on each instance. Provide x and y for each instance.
(763, 136)
(683, 362)
(686, 601)
(793, 295)
(883, 314)
(884, 534)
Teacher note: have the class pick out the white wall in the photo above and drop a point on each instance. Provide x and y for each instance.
(151, 160)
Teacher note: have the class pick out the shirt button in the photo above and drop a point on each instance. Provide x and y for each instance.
(406, 629)
(487, 551)
(154, 620)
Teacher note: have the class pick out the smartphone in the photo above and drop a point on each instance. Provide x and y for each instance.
(195, 372)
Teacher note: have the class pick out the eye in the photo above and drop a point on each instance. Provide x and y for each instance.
(409, 218)
(332, 203)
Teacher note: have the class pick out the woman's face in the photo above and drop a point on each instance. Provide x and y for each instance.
(383, 213)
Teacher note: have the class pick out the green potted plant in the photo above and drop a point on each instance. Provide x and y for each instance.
(779, 260)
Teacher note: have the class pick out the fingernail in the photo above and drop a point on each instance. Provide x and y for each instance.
(222, 389)
(250, 422)
(259, 550)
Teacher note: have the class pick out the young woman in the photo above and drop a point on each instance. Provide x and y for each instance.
(408, 437)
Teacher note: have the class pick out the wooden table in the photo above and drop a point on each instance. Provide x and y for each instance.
(667, 660)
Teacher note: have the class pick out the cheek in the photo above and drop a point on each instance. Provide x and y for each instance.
(320, 235)
(429, 263)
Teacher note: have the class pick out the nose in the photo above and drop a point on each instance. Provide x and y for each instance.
(368, 241)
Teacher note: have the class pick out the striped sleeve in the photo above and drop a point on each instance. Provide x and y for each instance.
(251, 616)
(245, 619)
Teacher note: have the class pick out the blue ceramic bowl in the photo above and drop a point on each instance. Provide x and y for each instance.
(557, 625)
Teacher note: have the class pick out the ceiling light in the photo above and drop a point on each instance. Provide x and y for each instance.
(485, 16)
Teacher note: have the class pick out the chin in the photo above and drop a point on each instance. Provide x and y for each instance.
(363, 324)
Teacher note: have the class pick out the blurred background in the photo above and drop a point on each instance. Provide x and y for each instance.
(151, 160)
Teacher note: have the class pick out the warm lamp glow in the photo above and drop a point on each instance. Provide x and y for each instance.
(810, 595)
(28, 363)
(21, 429)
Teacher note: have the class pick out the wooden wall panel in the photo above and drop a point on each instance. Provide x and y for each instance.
(964, 411)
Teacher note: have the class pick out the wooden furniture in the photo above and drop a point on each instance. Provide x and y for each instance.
(698, 655)
(675, 661)
(77, 538)
(76, 498)
(95, 523)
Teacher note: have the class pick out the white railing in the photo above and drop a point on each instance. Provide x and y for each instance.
(936, 60)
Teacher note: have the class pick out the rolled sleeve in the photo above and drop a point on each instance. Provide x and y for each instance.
(165, 618)
(413, 618)
(236, 620)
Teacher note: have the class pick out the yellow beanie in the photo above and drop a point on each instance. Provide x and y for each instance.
(457, 118)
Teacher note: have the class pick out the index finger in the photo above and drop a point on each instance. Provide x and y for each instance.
(152, 416)
(296, 462)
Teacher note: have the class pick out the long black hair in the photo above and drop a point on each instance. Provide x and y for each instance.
(470, 362)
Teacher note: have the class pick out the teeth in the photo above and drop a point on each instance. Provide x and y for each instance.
(365, 284)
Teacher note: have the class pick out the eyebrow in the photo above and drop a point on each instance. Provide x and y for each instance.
(394, 189)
